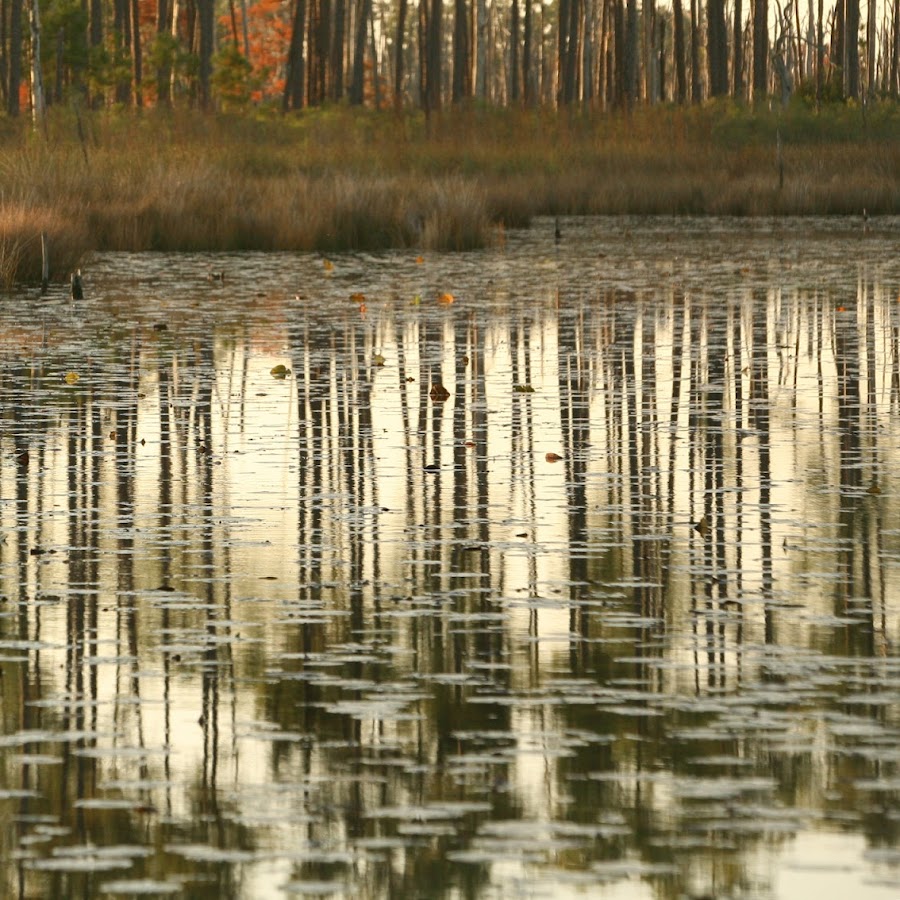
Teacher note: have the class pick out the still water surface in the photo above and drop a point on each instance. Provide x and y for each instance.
(616, 616)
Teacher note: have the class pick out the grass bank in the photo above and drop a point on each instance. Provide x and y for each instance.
(334, 179)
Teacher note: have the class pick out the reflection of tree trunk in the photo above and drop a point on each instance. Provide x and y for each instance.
(759, 416)
(849, 401)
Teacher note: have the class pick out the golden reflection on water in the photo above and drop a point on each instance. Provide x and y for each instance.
(616, 616)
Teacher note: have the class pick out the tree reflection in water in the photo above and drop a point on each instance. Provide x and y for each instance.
(619, 607)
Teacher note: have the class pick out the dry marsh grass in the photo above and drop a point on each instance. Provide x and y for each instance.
(338, 179)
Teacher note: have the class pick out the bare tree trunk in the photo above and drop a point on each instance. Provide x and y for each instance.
(336, 56)
(851, 48)
(433, 55)
(716, 47)
(357, 87)
(696, 84)
(760, 50)
(895, 50)
(481, 48)
(527, 54)
(206, 15)
(14, 79)
(402, 10)
(631, 54)
(820, 53)
(293, 82)
(514, 52)
(137, 57)
(871, 42)
(462, 68)
(737, 56)
(38, 107)
(680, 71)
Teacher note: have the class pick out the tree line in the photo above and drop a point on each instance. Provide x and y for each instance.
(434, 53)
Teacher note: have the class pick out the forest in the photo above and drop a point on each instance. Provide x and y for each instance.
(293, 54)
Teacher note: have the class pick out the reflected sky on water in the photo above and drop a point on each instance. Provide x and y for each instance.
(557, 569)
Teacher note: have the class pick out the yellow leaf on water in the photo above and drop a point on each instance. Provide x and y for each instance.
(358, 298)
(378, 359)
(446, 298)
(327, 265)
(72, 378)
(279, 371)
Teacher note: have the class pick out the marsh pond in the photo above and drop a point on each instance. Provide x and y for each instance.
(560, 569)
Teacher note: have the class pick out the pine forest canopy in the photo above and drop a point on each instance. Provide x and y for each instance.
(602, 54)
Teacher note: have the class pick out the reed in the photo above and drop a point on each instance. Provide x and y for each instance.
(336, 179)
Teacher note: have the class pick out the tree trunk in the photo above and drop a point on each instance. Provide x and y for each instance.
(717, 48)
(122, 34)
(481, 48)
(696, 84)
(164, 70)
(37, 79)
(336, 54)
(14, 81)
(631, 54)
(137, 57)
(820, 53)
(851, 48)
(760, 50)
(293, 82)
(434, 10)
(357, 88)
(462, 67)
(514, 52)
(402, 10)
(737, 55)
(871, 43)
(680, 71)
(527, 53)
(206, 17)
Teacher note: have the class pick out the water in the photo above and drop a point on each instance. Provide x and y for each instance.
(617, 618)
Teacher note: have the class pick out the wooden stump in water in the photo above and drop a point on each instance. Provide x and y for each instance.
(77, 285)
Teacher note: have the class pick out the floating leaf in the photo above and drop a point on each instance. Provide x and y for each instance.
(416, 300)
(470, 444)
(279, 371)
(358, 298)
(874, 489)
(72, 378)
(446, 298)
(702, 527)
(420, 260)
(553, 457)
(378, 360)
(327, 265)
(523, 389)
(439, 393)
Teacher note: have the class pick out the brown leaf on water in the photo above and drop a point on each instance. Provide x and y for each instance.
(553, 457)
(873, 488)
(439, 393)
(702, 527)
(523, 389)
(446, 298)
(358, 297)
(279, 371)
